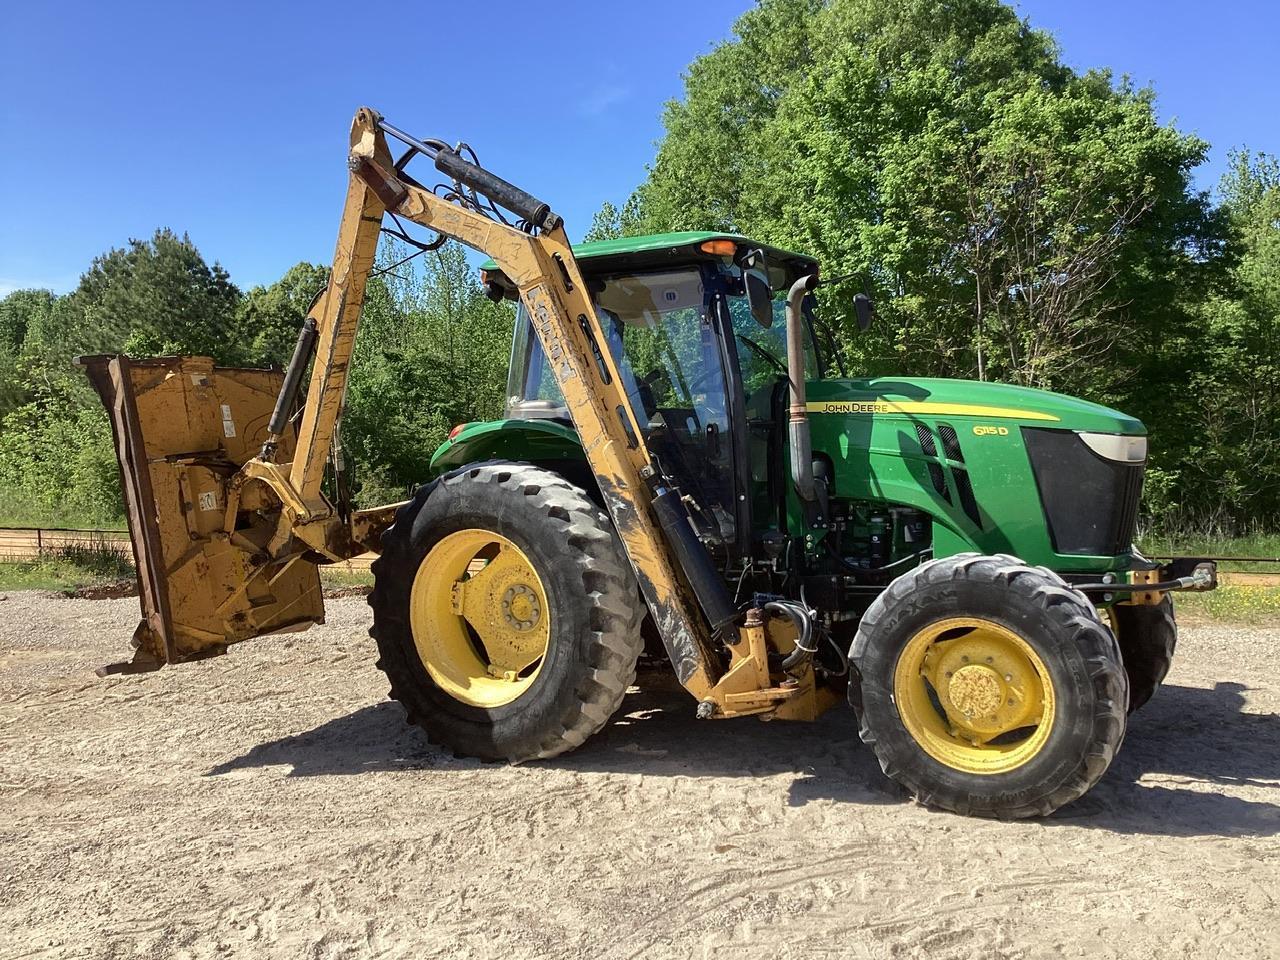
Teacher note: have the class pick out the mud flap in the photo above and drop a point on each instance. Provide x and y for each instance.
(182, 428)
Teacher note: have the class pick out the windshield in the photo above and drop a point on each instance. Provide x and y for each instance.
(762, 354)
(666, 330)
(663, 354)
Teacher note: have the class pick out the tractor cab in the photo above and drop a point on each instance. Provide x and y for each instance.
(702, 372)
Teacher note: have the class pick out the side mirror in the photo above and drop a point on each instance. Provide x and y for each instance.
(755, 277)
(864, 310)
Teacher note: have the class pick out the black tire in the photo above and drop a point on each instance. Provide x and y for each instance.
(1059, 624)
(593, 602)
(1148, 635)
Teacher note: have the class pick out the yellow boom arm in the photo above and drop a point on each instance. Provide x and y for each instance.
(543, 267)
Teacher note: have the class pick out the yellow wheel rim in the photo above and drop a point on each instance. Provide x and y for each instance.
(974, 695)
(479, 616)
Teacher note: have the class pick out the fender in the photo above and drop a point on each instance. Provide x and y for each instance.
(531, 441)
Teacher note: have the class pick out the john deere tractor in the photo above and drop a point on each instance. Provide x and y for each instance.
(952, 558)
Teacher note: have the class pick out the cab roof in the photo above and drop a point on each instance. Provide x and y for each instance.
(661, 249)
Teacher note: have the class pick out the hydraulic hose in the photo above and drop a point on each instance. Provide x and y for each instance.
(523, 204)
(861, 573)
(803, 621)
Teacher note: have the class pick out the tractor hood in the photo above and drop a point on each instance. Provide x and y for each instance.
(996, 402)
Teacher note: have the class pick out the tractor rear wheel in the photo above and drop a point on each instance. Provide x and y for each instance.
(1147, 634)
(988, 687)
(505, 612)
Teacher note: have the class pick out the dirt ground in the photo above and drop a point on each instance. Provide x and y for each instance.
(272, 803)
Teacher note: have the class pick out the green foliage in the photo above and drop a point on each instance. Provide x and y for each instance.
(1232, 468)
(24, 314)
(20, 312)
(153, 298)
(56, 459)
(431, 353)
(986, 195)
(611, 222)
(267, 319)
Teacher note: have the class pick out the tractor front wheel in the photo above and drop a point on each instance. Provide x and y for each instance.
(1147, 634)
(505, 612)
(988, 687)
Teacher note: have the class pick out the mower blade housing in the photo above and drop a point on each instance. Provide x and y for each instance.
(182, 428)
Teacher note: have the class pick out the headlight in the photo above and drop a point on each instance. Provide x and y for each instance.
(1114, 446)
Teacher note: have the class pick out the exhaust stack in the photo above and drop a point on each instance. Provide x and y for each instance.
(798, 419)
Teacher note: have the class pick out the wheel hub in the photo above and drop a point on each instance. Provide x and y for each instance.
(520, 607)
(975, 691)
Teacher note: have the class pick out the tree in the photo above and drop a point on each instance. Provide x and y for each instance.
(268, 319)
(23, 313)
(611, 222)
(431, 353)
(154, 297)
(1231, 473)
(1013, 219)
(985, 194)
(1054, 196)
(710, 160)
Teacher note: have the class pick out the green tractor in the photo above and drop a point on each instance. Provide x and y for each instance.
(954, 559)
(960, 552)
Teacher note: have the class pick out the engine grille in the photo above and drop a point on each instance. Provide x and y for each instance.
(1090, 503)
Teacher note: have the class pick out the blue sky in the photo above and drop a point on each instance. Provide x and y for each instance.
(228, 120)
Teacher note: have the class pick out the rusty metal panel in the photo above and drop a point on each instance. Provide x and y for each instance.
(182, 428)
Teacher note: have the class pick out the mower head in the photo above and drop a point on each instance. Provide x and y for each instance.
(182, 429)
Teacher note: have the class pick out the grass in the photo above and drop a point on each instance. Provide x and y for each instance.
(13, 513)
(39, 575)
(69, 567)
(1231, 603)
(1211, 544)
(76, 566)
(335, 578)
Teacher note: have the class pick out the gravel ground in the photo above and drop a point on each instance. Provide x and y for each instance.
(272, 803)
